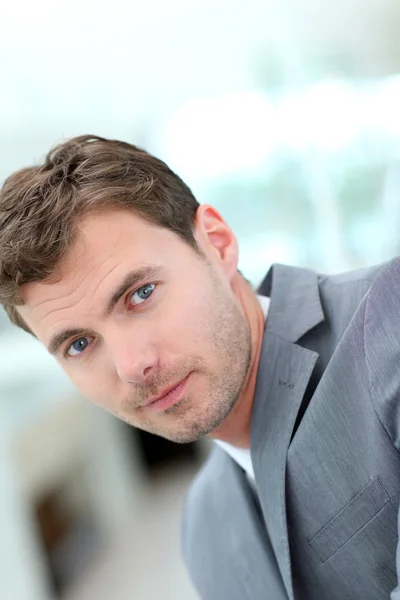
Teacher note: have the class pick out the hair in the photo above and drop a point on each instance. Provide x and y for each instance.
(41, 206)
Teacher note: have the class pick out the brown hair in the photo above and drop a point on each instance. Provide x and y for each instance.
(40, 206)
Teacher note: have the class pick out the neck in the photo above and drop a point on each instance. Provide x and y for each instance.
(235, 429)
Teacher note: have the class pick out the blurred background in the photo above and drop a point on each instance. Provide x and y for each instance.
(284, 114)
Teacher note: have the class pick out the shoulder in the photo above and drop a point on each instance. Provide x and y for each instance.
(201, 494)
(359, 278)
(200, 519)
(342, 294)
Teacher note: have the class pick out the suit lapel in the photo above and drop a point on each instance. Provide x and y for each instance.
(284, 372)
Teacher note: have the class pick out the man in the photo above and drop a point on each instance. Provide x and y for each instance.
(107, 258)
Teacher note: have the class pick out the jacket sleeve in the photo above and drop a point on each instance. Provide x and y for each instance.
(395, 595)
(382, 357)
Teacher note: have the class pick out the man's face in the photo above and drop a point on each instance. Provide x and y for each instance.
(135, 312)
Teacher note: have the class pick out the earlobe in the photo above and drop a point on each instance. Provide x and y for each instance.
(216, 237)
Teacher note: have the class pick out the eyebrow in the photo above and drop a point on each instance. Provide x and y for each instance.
(132, 279)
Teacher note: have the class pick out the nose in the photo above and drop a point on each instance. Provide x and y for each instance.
(134, 359)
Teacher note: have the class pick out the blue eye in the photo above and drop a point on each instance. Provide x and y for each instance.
(143, 293)
(78, 346)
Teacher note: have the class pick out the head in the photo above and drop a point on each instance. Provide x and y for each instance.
(108, 259)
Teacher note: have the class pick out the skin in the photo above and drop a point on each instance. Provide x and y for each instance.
(196, 316)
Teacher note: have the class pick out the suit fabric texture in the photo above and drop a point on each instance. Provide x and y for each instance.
(325, 440)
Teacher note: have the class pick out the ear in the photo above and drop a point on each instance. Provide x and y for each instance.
(216, 239)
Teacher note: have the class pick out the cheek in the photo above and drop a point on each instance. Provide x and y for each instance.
(187, 327)
(93, 382)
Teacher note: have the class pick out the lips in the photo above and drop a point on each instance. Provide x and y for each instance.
(165, 392)
(171, 395)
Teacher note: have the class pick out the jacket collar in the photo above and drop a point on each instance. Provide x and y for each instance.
(295, 301)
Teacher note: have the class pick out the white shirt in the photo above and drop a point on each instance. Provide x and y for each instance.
(242, 455)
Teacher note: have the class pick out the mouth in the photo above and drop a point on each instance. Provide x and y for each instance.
(169, 396)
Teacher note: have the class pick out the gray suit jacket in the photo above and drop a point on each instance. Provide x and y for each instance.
(325, 442)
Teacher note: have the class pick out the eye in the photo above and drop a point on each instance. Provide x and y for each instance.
(142, 294)
(78, 346)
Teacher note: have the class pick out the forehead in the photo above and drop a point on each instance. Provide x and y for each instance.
(105, 234)
(109, 244)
